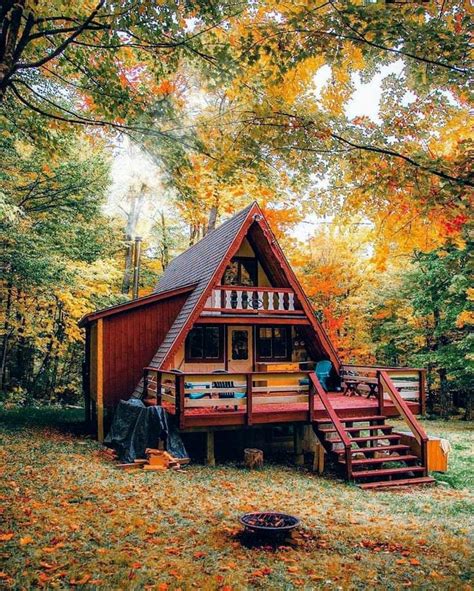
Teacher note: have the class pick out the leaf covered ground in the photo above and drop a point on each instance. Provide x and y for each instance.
(71, 520)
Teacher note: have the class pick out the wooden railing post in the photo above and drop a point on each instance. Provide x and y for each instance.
(380, 393)
(422, 391)
(179, 398)
(249, 398)
(158, 387)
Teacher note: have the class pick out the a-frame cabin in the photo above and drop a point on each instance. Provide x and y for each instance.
(228, 340)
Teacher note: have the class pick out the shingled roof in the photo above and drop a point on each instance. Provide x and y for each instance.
(198, 265)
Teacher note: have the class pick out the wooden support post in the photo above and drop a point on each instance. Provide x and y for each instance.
(100, 381)
(249, 399)
(318, 461)
(298, 445)
(310, 403)
(210, 457)
(179, 395)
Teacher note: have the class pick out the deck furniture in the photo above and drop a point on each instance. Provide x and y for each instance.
(323, 371)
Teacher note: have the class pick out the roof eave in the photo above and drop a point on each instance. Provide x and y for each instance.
(143, 301)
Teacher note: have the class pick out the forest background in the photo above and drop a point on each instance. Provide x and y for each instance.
(160, 119)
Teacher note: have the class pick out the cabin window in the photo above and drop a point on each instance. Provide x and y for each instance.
(241, 271)
(274, 342)
(204, 343)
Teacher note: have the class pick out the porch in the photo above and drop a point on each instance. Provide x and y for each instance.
(221, 399)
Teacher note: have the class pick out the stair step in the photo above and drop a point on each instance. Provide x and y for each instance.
(355, 450)
(363, 462)
(352, 419)
(368, 438)
(387, 471)
(355, 429)
(392, 483)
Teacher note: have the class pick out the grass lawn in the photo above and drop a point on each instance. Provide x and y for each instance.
(70, 519)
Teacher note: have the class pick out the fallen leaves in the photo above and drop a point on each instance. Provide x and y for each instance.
(185, 531)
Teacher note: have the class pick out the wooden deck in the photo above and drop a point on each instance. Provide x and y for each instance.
(210, 400)
(264, 414)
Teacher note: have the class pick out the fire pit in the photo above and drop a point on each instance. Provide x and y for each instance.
(269, 522)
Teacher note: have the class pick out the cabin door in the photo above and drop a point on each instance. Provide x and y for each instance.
(239, 349)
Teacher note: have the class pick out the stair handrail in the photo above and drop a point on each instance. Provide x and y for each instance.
(321, 392)
(386, 385)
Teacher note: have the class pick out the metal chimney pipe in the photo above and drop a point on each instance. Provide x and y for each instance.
(136, 266)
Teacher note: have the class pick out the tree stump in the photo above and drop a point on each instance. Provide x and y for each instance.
(253, 458)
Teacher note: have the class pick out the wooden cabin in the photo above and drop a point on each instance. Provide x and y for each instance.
(229, 341)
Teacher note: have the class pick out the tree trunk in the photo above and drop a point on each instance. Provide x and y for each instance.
(6, 335)
(446, 394)
(165, 246)
(211, 224)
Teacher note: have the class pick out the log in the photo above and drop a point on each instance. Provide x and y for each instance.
(253, 458)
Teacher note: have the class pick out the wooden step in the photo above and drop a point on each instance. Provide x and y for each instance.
(363, 462)
(391, 483)
(387, 471)
(352, 419)
(355, 450)
(368, 438)
(356, 429)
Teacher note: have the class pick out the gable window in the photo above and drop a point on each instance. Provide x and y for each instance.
(205, 343)
(241, 271)
(274, 342)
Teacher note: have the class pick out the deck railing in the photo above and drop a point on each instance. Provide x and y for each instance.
(387, 388)
(408, 381)
(233, 298)
(235, 392)
(346, 442)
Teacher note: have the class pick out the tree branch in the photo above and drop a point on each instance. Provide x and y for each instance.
(63, 45)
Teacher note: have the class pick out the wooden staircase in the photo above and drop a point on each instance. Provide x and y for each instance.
(366, 448)
(377, 458)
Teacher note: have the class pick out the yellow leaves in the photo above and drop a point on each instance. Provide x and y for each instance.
(465, 318)
(23, 149)
(297, 80)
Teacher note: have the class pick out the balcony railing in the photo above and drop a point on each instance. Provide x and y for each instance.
(252, 300)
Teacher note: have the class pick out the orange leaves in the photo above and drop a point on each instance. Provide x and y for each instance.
(261, 572)
(25, 540)
(6, 537)
(165, 87)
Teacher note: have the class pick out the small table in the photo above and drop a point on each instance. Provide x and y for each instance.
(352, 388)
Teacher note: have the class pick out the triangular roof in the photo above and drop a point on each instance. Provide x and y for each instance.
(204, 263)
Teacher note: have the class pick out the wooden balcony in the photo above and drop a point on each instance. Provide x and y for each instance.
(252, 300)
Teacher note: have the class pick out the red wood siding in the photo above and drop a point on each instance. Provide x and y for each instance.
(131, 339)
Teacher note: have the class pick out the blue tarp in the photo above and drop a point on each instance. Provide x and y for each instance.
(136, 427)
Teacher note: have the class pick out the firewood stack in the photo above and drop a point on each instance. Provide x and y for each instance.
(156, 460)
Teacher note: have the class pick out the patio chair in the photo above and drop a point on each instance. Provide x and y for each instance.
(229, 394)
(323, 371)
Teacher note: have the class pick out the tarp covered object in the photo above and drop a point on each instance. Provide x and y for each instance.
(136, 427)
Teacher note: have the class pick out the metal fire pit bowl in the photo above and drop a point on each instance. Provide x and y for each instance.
(269, 523)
